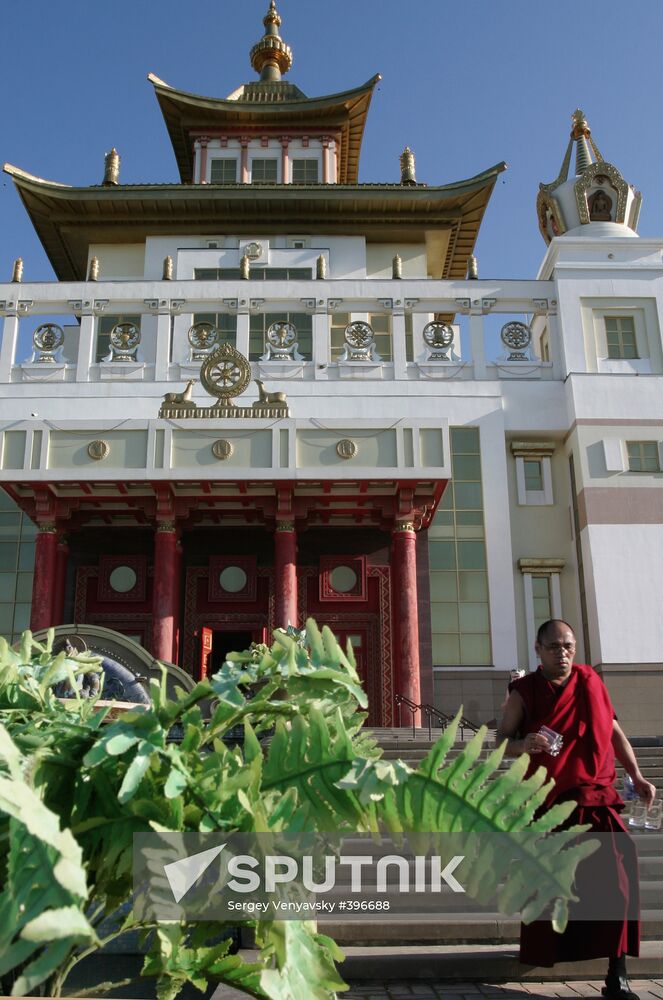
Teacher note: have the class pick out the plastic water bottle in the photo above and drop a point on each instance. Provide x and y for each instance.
(629, 793)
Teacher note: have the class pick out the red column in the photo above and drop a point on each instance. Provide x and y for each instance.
(44, 580)
(179, 558)
(285, 574)
(404, 582)
(164, 593)
(203, 159)
(61, 561)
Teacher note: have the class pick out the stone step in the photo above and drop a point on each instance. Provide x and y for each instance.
(464, 928)
(475, 963)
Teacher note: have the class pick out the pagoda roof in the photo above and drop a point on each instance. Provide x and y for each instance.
(263, 104)
(69, 219)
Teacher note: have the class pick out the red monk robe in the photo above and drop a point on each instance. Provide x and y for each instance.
(584, 771)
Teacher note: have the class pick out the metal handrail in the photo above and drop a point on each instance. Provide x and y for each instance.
(430, 712)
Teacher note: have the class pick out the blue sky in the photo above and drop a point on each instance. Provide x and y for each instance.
(465, 85)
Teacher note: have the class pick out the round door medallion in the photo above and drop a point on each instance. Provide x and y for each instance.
(343, 579)
(233, 579)
(122, 579)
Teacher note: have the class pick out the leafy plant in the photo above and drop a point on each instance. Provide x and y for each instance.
(75, 788)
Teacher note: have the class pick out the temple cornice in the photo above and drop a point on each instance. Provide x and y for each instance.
(69, 219)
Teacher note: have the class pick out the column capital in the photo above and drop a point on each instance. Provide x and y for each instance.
(401, 527)
(47, 528)
(167, 526)
(285, 526)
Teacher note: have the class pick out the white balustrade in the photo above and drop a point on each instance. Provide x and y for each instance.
(167, 309)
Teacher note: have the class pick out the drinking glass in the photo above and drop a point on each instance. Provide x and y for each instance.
(555, 740)
(653, 817)
(638, 815)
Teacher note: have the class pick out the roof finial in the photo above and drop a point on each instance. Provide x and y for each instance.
(408, 171)
(271, 56)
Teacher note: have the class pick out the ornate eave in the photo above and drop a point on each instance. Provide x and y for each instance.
(69, 219)
(281, 105)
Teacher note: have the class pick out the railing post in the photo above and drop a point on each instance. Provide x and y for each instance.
(478, 344)
(8, 348)
(86, 338)
(320, 347)
(398, 342)
(243, 330)
(162, 353)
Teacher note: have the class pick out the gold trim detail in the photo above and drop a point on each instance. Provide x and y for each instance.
(285, 526)
(404, 526)
(346, 449)
(590, 177)
(47, 529)
(544, 448)
(222, 449)
(546, 203)
(166, 527)
(548, 566)
(98, 450)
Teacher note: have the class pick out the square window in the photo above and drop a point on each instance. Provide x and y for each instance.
(467, 467)
(6, 616)
(446, 650)
(533, 474)
(643, 456)
(442, 555)
(444, 617)
(21, 617)
(24, 587)
(223, 171)
(471, 555)
(465, 441)
(264, 171)
(473, 586)
(475, 650)
(620, 337)
(305, 171)
(443, 587)
(8, 556)
(468, 496)
(26, 556)
(8, 585)
(10, 525)
(474, 618)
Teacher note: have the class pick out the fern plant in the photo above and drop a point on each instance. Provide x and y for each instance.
(74, 789)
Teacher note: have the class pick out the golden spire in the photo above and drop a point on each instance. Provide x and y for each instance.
(271, 56)
(581, 134)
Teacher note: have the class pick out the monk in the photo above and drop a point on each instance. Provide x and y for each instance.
(571, 699)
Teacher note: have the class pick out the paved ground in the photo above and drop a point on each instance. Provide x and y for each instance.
(422, 990)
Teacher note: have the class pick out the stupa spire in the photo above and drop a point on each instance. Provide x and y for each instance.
(595, 194)
(271, 57)
(582, 135)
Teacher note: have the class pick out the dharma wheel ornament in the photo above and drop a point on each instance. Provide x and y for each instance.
(438, 338)
(124, 340)
(47, 340)
(226, 373)
(517, 337)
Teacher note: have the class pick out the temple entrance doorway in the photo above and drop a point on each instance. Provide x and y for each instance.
(224, 642)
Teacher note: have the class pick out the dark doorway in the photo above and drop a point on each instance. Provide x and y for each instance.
(224, 643)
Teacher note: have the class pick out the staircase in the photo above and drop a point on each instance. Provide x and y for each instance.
(469, 946)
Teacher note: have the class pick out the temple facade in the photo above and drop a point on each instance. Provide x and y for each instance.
(270, 391)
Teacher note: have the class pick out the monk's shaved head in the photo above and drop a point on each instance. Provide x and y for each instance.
(547, 627)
